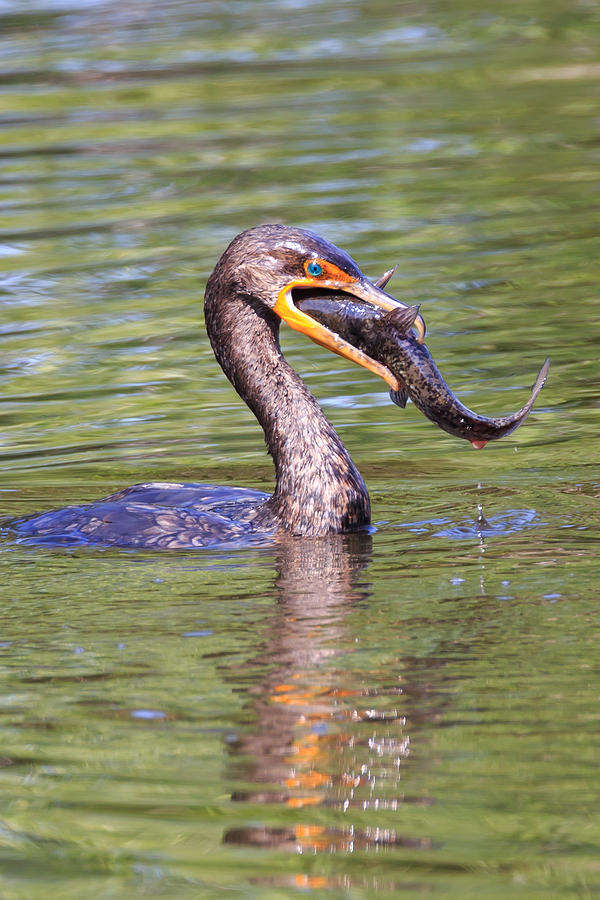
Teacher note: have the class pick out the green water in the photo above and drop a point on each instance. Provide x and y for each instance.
(412, 712)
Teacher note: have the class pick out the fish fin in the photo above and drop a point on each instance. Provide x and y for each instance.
(540, 381)
(403, 318)
(399, 397)
(381, 282)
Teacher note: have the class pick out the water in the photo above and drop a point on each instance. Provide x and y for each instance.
(410, 711)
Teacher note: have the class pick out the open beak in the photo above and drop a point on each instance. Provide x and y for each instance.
(360, 288)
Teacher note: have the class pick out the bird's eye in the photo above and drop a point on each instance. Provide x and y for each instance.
(314, 268)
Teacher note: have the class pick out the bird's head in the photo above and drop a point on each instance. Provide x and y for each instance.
(269, 263)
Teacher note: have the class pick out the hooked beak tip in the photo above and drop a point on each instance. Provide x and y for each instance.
(421, 328)
(374, 294)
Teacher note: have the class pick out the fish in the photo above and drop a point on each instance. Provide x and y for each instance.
(388, 338)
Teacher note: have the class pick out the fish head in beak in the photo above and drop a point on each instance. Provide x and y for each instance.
(322, 276)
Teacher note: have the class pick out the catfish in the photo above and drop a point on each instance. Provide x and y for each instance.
(387, 337)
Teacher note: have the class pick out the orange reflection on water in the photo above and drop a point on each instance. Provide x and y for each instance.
(312, 742)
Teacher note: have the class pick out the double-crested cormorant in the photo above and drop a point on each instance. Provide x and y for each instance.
(318, 489)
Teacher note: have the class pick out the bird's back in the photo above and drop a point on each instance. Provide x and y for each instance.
(152, 515)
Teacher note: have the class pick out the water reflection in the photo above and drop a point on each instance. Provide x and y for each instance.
(319, 739)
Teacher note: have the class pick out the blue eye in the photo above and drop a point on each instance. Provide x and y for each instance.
(313, 268)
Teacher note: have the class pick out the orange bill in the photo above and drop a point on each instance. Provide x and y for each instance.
(305, 324)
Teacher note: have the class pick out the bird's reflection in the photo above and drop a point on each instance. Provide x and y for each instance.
(319, 739)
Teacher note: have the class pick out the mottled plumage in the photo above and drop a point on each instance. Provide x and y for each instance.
(318, 488)
(153, 515)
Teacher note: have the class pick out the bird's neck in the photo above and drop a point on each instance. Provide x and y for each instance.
(318, 488)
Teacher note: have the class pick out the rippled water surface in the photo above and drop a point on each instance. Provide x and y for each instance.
(410, 711)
